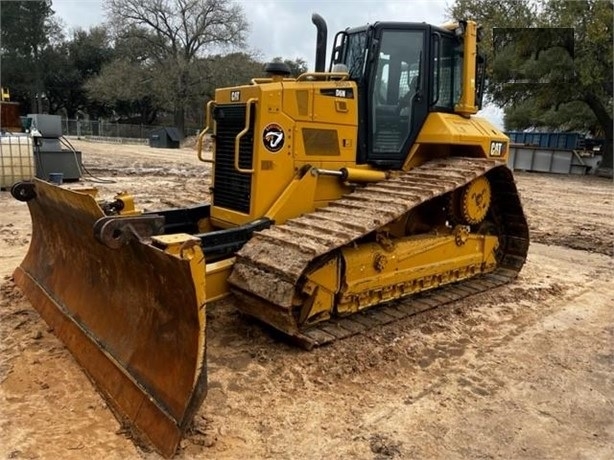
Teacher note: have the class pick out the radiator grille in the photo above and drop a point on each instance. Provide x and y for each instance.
(232, 189)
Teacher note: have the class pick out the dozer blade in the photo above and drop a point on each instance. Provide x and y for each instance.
(133, 317)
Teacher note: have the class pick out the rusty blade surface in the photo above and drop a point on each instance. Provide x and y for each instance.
(133, 317)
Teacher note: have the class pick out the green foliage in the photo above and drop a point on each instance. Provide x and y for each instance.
(297, 67)
(230, 70)
(127, 89)
(27, 29)
(571, 116)
(548, 88)
(67, 67)
(157, 57)
(172, 37)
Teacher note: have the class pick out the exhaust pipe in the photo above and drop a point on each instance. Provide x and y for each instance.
(320, 24)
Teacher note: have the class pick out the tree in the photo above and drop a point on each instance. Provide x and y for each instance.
(126, 83)
(297, 67)
(127, 89)
(69, 64)
(230, 70)
(178, 33)
(561, 88)
(27, 29)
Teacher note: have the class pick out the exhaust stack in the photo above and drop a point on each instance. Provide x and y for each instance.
(320, 24)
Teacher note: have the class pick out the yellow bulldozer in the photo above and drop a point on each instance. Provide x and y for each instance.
(332, 192)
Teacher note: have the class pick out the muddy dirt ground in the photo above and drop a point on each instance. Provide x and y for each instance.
(523, 371)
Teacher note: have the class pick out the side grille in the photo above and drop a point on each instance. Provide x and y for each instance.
(232, 189)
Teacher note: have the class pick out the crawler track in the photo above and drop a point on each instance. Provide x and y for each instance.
(270, 266)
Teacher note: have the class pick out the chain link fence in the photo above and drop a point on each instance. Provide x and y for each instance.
(106, 129)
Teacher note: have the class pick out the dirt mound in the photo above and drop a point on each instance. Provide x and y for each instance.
(189, 142)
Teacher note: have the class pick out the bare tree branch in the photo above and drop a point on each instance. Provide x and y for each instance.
(179, 33)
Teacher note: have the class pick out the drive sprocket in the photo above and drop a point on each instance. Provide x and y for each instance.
(475, 200)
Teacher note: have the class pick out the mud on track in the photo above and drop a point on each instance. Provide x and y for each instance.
(526, 370)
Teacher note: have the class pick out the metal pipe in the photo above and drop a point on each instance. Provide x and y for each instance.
(327, 172)
(363, 175)
(320, 24)
(353, 174)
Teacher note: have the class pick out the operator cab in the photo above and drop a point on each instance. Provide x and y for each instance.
(403, 72)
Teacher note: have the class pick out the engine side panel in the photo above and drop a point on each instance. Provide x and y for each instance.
(447, 134)
(292, 124)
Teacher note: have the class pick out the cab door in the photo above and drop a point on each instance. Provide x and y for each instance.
(397, 104)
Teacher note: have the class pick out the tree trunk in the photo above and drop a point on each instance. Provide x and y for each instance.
(181, 98)
(179, 119)
(605, 121)
(33, 101)
(607, 163)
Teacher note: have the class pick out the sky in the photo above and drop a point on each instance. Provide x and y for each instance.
(283, 28)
